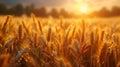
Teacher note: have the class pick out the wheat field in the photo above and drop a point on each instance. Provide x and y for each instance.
(50, 42)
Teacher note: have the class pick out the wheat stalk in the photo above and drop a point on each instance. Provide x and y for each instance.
(40, 27)
(26, 29)
(49, 34)
(5, 24)
(20, 32)
(21, 53)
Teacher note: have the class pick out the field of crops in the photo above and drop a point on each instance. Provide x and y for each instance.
(49, 42)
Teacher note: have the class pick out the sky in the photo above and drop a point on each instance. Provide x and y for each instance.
(69, 5)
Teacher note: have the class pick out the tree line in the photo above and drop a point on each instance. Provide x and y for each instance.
(19, 10)
(104, 12)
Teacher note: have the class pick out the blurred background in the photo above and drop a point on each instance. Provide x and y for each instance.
(58, 8)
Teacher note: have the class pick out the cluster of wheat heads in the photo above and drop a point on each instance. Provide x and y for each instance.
(38, 42)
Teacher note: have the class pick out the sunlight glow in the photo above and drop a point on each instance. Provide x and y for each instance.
(83, 9)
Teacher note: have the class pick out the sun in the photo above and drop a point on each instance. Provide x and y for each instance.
(83, 9)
